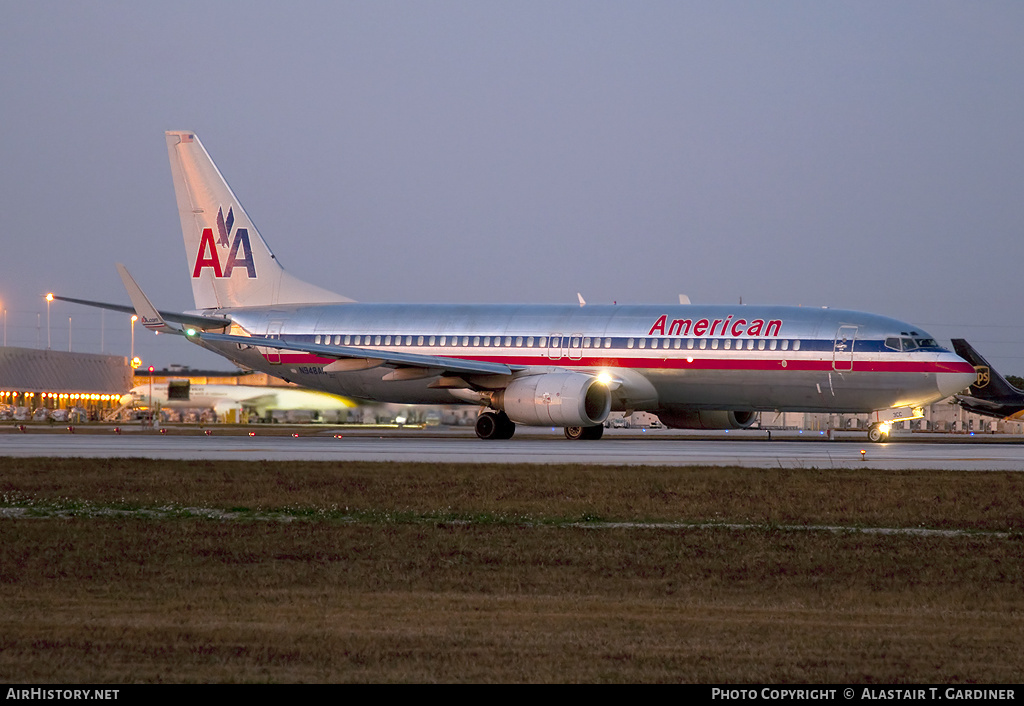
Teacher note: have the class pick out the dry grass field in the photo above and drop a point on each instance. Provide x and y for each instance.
(155, 571)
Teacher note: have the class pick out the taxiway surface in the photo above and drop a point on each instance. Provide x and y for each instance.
(413, 446)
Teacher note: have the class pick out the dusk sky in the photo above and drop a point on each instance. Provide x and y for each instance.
(858, 155)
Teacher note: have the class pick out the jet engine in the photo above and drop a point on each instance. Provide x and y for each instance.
(708, 419)
(555, 399)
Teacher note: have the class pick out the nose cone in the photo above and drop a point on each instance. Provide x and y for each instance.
(127, 399)
(959, 376)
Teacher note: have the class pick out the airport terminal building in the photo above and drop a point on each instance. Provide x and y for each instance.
(33, 379)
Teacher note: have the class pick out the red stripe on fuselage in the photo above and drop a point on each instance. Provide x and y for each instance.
(787, 364)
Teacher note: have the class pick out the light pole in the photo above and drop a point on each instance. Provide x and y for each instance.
(134, 319)
(49, 298)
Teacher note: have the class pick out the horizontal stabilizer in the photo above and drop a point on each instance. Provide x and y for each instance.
(206, 323)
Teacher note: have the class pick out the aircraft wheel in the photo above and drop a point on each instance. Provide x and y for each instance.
(506, 427)
(876, 435)
(584, 433)
(487, 426)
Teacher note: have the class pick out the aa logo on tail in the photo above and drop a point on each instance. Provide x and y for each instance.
(239, 252)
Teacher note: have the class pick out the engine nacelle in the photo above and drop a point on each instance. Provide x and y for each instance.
(708, 419)
(555, 399)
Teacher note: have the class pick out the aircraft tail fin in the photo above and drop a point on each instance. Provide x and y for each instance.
(989, 385)
(229, 262)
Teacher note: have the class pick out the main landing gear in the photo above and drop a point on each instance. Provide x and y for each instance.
(495, 425)
(584, 433)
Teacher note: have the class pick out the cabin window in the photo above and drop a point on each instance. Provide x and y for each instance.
(508, 341)
(607, 343)
(465, 340)
(643, 342)
(487, 340)
(714, 344)
(529, 342)
(348, 339)
(773, 344)
(785, 345)
(629, 343)
(519, 341)
(387, 341)
(316, 339)
(677, 344)
(760, 345)
(703, 343)
(728, 343)
(542, 341)
(689, 344)
(796, 345)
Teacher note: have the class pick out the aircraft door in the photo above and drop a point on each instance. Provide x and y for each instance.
(575, 346)
(842, 351)
(557, 343)
(273, 355)
(178, 390)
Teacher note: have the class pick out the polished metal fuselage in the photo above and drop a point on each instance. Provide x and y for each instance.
(663, 358)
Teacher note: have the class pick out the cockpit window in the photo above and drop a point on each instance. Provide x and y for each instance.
(926, 343)
(909, 344)
(893, 342)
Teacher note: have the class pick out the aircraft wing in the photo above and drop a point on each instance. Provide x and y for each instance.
(364, 358)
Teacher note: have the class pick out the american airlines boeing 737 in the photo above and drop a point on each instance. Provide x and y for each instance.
(694, 366)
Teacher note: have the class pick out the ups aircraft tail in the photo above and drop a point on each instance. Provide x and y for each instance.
(228, 261)
(991, 394)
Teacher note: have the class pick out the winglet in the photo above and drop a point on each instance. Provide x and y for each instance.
(144, 308)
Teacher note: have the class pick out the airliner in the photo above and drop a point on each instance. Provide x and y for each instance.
(569, 366)
(181, 394)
